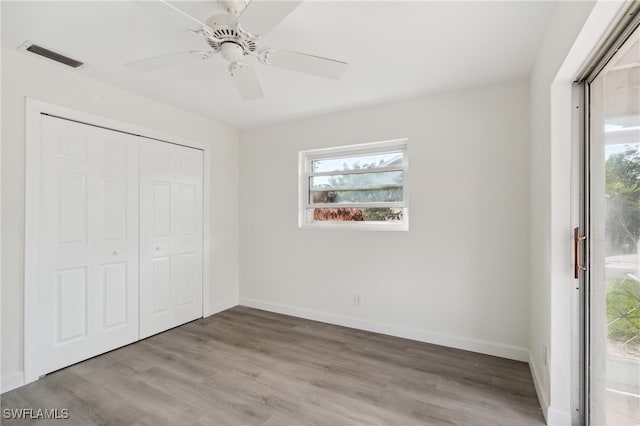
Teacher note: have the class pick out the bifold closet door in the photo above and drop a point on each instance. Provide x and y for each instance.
(87, 269)
(171, 185)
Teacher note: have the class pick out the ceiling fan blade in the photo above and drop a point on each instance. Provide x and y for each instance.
(261, 15)
(302, 62)
(169, 13)
(165, 61)
(246, 81)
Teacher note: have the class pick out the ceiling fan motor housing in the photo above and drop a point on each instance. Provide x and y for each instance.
(225, 33)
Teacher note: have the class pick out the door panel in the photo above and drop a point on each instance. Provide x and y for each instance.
(188, 178)
(71, 305)
(161, 208)
(115, 208)
(171, 242)
(188, 215)
(188, 265)
(72, 208)
(73, 147)
(88, 268)
(114, 303)
(161, 286)
(613, 323)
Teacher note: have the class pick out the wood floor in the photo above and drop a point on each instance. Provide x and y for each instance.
(250, 367)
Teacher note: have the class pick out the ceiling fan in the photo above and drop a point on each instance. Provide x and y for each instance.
(235, 35)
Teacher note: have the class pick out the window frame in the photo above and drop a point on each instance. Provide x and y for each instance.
(305, 161)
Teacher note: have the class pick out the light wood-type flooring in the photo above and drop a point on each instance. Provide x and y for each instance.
(249, 367)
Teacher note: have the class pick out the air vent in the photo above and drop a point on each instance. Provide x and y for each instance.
(39, 50)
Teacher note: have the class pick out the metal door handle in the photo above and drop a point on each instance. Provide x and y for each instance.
(157, 248)
(115, 253)
(577, 267)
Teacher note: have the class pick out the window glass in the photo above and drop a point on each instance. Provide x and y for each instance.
(357, 162)
(355, 186)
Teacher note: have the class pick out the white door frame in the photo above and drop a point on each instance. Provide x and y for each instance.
(34, 109)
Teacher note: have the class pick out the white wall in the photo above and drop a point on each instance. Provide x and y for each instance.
(564, 27)
(458, 277)
(575, 31)
(24, 76)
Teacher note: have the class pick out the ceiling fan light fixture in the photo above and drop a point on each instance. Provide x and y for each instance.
(231, 51)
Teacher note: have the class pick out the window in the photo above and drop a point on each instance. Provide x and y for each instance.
(355, 187)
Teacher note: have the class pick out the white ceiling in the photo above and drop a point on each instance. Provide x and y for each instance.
(394, 49)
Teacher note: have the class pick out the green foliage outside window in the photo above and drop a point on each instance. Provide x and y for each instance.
(623, 310)
(622, 195)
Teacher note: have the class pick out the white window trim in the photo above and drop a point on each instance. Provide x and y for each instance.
(305, 159)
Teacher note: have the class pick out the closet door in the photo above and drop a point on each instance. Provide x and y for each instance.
(87, 271)
(171, 184)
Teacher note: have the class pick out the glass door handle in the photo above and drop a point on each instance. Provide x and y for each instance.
(577, 267)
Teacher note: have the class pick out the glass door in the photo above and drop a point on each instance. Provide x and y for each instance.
(612, 295)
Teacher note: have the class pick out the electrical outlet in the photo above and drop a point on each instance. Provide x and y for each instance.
(356, 300)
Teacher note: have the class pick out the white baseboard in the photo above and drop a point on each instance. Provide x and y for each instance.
(222, 306)
(11, 382)
(485, 347)
(543, 398)
(552, 416)
(557, 417)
